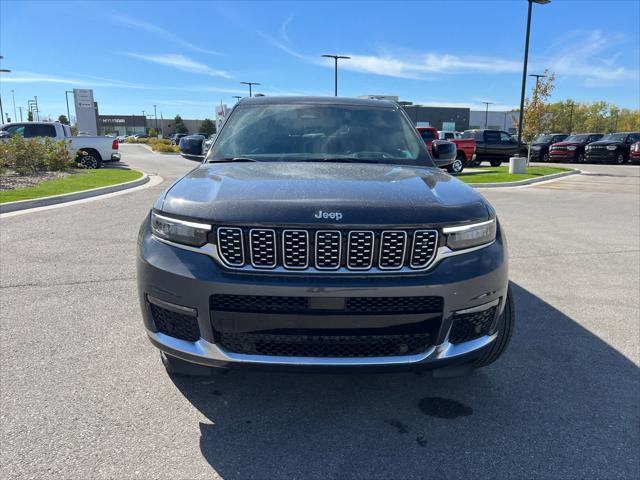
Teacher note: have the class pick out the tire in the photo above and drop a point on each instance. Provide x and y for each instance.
(90, 160)
(579, 157)
(620, 159)
(505, 331)
(176, 366)
(495, 163)
(457, 166)
(545, 157)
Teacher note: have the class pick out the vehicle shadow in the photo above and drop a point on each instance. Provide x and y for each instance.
(560, 403)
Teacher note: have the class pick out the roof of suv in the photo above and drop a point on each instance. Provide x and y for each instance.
(319, 101)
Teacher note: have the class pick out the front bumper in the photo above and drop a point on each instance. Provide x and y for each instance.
(600, 155)
(186, 280)
(562, 155)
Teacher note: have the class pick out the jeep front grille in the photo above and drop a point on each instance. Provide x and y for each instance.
(326, 250)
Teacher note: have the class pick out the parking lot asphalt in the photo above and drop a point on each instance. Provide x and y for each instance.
(84, 395)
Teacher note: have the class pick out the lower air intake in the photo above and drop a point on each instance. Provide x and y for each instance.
(175, 324)
(470, 326)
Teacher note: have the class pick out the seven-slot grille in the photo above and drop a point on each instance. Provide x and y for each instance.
(298, 249)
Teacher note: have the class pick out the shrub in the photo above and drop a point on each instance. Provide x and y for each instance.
(32, 155)
(164, 147)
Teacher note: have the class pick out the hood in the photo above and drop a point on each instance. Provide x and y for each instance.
(299, 193)
(566, 144)
(604, 143)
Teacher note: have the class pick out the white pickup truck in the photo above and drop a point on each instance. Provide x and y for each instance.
(95, 149)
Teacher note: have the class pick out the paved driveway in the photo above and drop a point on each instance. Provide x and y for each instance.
(83, 394)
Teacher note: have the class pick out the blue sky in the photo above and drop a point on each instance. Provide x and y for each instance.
(187, 57)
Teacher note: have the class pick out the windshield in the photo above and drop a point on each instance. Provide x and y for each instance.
(308, 132)
(614, 137)
(542, 138)
(577, 138)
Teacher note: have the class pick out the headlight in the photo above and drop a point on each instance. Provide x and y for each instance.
(571, 147)
(179, 231)
(611, 147)
(467, 236)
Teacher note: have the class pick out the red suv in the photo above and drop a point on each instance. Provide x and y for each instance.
(571, 149)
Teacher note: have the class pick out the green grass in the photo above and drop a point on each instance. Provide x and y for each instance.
(77, 181)
(501, 174)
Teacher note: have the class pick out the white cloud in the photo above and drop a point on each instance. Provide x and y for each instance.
(180, 62)
(160, 32)
(284, 26)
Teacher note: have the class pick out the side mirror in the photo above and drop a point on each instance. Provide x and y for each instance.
(444, 153)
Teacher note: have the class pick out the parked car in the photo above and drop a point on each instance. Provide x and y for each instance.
(206, 145)
(300, 244)
(539, 150)
(140, 135)
(614, 147)
(121, 138)
(571, 149)
(635, 153)
(175, 137)
(466, 148)
(190, 146)
(493, 146)
(96, 150)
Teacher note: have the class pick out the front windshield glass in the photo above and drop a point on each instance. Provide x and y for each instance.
(577, 138)
(614, 137)
(542, 138)
(312, 132)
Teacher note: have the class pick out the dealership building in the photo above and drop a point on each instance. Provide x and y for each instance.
(137, 124)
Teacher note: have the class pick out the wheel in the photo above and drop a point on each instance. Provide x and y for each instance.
(505, 330)
(495, 163)
(620, 159)
(177, 366)
(90, 160)
(457, 166)
(580, 157)
(545, 157)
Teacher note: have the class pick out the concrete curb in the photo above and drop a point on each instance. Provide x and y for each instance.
(70, 197)
(528, 181)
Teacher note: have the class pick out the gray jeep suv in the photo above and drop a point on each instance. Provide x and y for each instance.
(319, 233)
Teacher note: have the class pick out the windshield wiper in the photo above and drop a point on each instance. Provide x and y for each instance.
(233, 159)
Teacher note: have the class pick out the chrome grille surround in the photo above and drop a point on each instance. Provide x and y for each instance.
(423, 250)
(262, 247)
(328, 249)
(360, 249)
(295, 249)
(393, 247)
(231, 246)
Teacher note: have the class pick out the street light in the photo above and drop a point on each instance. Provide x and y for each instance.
(524, 69)
(13, 98)
(335, 59)
(155, 114)
(2, 70)
(250, 85)
(570, 117)
(237, 97)
(486, 113)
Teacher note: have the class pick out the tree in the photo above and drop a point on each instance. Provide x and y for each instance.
(63, 119)
(537, 114)
(153, 132)
(179, 126)
(207, 127)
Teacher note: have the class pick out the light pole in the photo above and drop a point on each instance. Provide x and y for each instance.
(486, 114)
(2, 70)
(13, 98)
(20, 108)
(237, 97)
(335, 59)
(155, 114)
(250, 85)
(66, 97)
(524, 68)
